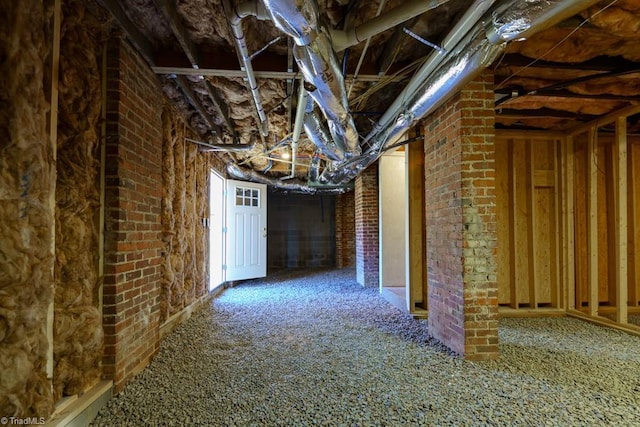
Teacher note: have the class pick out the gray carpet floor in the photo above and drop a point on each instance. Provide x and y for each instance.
(312, 348)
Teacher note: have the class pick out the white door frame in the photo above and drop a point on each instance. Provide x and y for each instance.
(216, 226)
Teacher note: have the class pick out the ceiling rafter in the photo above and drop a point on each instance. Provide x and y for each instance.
(222, 108)
(168, 8)
(184, 85)
(561, 93)
(141, 43)
(393, 46)
(543, 112)
(170, 12)
(599, 63)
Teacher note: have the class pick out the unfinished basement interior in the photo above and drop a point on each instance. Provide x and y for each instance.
(330, 190)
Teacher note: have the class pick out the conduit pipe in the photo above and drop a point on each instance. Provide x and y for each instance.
(408, 10)
(319, 65)
(297, 127)
(230, 148)
(235, 15)
(511, 20)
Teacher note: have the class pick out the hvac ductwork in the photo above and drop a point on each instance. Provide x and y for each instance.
(471, 46)
(510, 20)
(319, 65)
(295, 186)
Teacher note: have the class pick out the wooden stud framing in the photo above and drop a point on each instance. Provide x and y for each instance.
(633, 206)
(569, 264)
(592, 228)
(531, 225)
(605, 120)
(514, 303)
(53, 141)
(610, 167)
(557, 299)
(621, 232)
(416, 236)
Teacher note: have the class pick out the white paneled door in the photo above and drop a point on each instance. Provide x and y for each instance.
(246, 230)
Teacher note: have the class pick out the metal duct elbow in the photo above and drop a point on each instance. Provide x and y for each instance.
(319, 65)
(518, 20)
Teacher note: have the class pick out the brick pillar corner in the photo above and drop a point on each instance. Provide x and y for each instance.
(366, 224)
(461, 222)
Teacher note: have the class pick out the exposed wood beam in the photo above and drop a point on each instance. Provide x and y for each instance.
(592, 223)
(561, 93)
(168, 8)
(529, 134)
(605, 120)
(621, 220)
(543, 112)
(195, 103)
(221, 107)
(224, 63)
(600, 63)
(134, 35)
(280, 75)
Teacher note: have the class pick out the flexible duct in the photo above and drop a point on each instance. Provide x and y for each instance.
(318, 133)
(511, 20)
(295, 186)
(471, 17)
(319, 65)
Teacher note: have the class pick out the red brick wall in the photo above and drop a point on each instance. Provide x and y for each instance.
(461, 222)
(366, 222)
(133, 206)
(345, 230)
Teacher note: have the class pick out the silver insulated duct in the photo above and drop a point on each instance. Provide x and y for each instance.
(509, 20)
(318, 63)
(294, 186)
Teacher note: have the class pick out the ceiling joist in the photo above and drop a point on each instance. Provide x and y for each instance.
(168, 8)
(131, 31)
(184, 85)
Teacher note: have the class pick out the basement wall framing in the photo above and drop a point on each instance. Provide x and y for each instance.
(569, 222)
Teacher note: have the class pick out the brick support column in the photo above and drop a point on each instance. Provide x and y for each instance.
(133, 201)
(461, 222)
(366, 221)
(345, 230)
